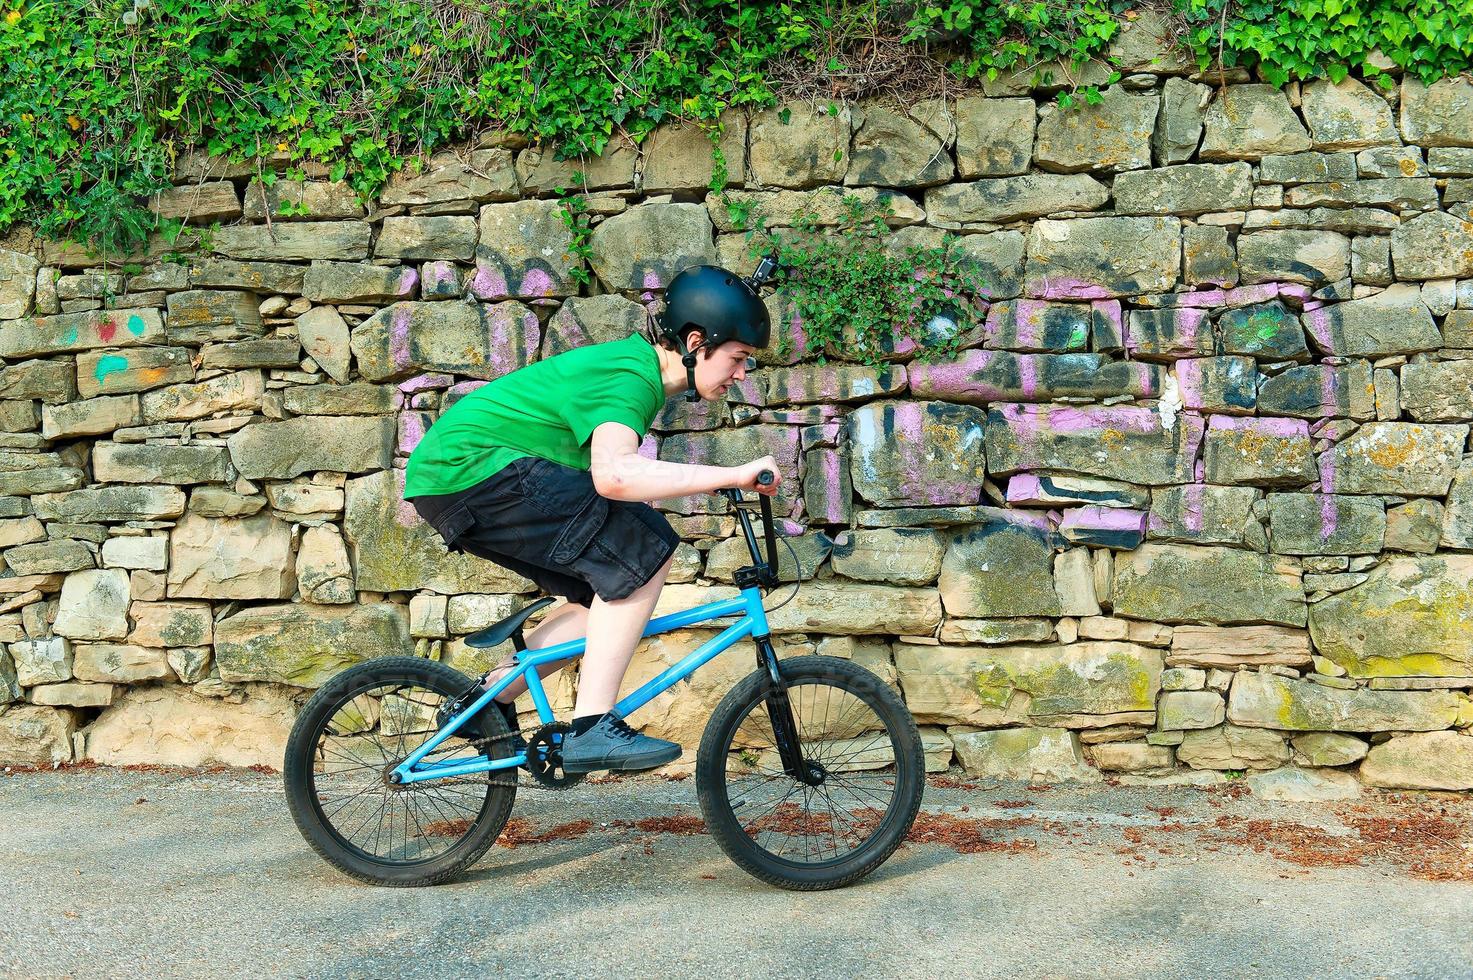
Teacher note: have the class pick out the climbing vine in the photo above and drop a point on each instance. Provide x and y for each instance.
(573, 209)
(852, 288)
(98, 98)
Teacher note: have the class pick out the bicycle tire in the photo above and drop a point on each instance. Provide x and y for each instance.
(306, 804)
(716, 754)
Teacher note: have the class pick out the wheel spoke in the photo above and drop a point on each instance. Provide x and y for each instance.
(366, 731)
(842, 734)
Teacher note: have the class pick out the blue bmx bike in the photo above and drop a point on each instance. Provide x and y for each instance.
(809, 773)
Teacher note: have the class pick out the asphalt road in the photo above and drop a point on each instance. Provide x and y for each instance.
(163, 874)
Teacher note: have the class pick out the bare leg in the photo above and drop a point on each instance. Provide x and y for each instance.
(614, 629)
(568, 622)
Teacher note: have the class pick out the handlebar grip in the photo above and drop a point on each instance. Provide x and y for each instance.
(765, 478)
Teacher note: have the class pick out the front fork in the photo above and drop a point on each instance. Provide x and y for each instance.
(784, 730)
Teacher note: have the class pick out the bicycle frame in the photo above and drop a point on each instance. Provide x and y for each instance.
(753, 623)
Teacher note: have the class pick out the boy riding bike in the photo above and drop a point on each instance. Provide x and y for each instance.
(539, 472)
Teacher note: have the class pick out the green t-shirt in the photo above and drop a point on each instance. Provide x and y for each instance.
(547, 409)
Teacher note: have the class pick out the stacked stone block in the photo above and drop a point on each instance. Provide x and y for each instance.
(1196, 496)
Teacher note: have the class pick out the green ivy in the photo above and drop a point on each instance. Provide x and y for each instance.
(99, 97)
(1009, 37)
(858, 293)
(1300, 39)
(573, 209)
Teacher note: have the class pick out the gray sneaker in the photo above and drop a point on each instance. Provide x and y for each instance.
(611, 744)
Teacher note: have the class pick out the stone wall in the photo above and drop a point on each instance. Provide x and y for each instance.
(1195, 498)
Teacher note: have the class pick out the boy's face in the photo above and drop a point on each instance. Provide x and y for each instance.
(722, 367)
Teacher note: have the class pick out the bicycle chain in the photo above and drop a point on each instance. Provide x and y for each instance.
(484, 743)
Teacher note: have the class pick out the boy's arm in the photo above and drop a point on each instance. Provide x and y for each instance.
(620, 473)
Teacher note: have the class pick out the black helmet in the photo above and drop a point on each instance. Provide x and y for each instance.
(721, 304)
(718, 302)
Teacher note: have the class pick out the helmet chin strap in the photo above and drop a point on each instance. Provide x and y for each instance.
(688, 358)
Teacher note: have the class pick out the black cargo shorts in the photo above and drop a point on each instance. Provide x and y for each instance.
(546, 522)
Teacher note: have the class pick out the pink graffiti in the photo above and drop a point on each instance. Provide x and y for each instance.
(791, 528)
(1024, 488)
(1329, 390)
(1295, 292)
(1329, 512)
(1096, 518)
(1329, 515)
(815, 435)
(1072, 421)
(1146, 378)
(796, 333)
(535, 283)
(910, 438)
(1192, 381)
(408, 279)
(1028, 376)
(833, 482)
(411, 430)
(1237, 296)
(425, 382)
(1320, 324)
(1029, 315)
(531, 337)
(1276, 428)
(955, 379)
(488, 284)
(404, 515)
(463, 389)
(400, 354)
(498, 341)
(1192, 514)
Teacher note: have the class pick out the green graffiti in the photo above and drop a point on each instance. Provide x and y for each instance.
(135, 325)
(110, 364)
(71, 336)
(1265, 324)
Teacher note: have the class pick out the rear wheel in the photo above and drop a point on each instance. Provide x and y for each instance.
(353, 732)
(863, 776)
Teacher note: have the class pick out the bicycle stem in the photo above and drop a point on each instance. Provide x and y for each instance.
(762, 573)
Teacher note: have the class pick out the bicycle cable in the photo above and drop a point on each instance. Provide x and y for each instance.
(797, 584)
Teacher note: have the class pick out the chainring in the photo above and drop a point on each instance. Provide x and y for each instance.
(545, 756)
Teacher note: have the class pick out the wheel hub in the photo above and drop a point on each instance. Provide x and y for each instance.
(815, 774)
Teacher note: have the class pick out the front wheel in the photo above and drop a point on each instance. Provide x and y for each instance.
(863, 776)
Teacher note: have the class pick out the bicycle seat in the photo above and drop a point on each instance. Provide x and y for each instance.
(507, 628)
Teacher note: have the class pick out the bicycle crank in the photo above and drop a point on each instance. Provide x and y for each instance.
(545, 756)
